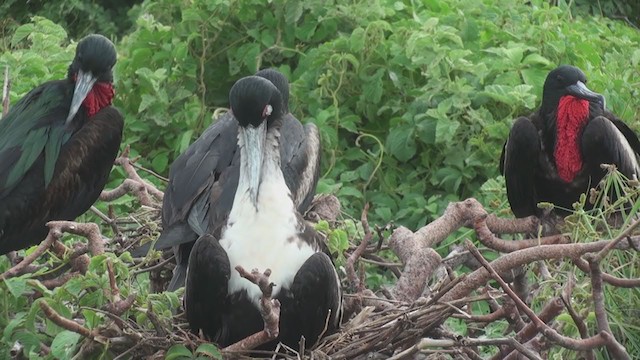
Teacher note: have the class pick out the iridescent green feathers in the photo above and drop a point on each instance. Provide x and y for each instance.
(35, 124)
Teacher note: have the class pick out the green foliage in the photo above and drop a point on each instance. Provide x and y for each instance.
(413, 100)
(79, 17)
(203, 352)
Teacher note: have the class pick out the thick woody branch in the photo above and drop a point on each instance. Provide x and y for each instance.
(512, 226)
(455, 216)
(512, 260)
(420, 263)
(487, 238)
(90, 231)
(134, 184)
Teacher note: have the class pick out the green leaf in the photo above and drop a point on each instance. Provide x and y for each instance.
(17, 285)
(21, 33)
(400, 142)
(64, 344)
(160, 162)
(209, 350)
(178, 352)
(445, 130)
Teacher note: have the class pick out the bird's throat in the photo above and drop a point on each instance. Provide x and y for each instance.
(98, 98)
(571, 117)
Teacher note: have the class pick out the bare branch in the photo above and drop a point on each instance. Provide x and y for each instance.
(355, 255)
(134, 184)
(269, 309)
(616, 350)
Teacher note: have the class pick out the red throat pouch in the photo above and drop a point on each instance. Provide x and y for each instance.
(571, 117)
(98, 98)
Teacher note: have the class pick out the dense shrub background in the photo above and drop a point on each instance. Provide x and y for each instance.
(413, 99)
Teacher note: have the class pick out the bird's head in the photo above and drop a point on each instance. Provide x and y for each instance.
(280, 81)
(254, 102)
(94, 61)
(567, 80)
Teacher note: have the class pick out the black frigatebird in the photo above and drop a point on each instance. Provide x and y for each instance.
(554, 155)
(57, 147)
(203, 179)
(263, 230)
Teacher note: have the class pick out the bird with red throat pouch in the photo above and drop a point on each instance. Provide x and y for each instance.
(555, 154)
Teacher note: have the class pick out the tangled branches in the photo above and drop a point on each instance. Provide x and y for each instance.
(394, 322)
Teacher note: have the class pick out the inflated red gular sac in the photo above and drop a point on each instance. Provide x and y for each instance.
(554, 155)
(100, 96)
(572, 116)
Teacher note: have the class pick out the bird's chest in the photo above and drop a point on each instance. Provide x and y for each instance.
(264, 238)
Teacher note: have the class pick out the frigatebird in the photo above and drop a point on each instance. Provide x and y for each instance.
(203, 179)
(555, 154)
(57, 147)
(263, 231)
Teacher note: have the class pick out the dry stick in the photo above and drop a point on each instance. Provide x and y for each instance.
(355, 255)
(488, 318)
(133, 184)
(615, 241)
(117, 306)
(601, 339)
(160, 331)
(616, 350)
(69, 324)
(427, 343)
(487, 238)
(78, 258)
(577, 320)
(18, 268)
(512, 260)
(512, 226)
(609, 279)
(269, 309)
(115, 292)
(59, 281)
(550, 311)
(5, 92)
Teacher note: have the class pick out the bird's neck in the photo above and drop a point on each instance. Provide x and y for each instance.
(98, 98)
(571, 117)
(273, 192)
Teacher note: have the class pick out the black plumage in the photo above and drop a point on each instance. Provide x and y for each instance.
(263, 230)
(203, 179)
(554, 155)
(57, 147)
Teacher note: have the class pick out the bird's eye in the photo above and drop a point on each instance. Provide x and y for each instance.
(267, 111)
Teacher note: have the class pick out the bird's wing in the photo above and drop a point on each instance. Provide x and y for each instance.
(195, 170)
(186, 207)
(629, 134)
(315, 304)
(300, 151)
(519, 163)
(604, 142)
(206, 286)
(35, 125)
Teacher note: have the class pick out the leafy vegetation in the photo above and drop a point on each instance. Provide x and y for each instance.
(413, 100)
